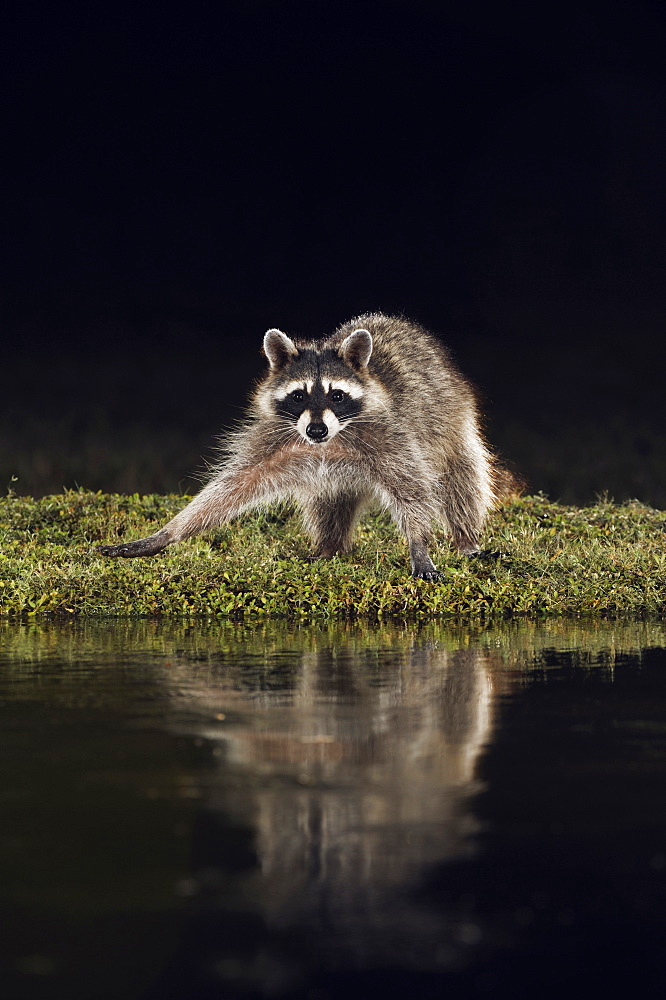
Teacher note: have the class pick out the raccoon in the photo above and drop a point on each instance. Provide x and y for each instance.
(375, 414)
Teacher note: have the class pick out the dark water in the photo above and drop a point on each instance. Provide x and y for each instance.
(195, 811)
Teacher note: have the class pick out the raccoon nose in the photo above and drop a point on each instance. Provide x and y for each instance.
(316, 431)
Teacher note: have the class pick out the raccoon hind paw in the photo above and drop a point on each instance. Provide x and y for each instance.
(490, 554)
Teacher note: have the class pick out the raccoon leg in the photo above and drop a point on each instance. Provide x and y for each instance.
(466, 496)
(413, 512)
(422, 564)
(234, 490)
(330, 521)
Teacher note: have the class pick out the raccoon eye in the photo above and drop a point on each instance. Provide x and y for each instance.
(338, 395)
(297, 395)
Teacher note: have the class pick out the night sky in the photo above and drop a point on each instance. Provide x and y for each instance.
(178, 178)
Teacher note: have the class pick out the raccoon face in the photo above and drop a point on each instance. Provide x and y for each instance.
(317, 392)
(318, 407)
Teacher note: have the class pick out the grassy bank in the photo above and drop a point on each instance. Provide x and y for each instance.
(607, 558)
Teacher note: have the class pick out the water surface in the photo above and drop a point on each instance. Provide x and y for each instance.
(220, 810)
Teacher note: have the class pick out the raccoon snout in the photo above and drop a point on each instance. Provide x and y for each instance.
(317, 431)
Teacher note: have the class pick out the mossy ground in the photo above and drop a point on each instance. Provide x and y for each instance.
(604, 559)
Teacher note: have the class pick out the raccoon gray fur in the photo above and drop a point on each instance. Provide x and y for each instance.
(376, 413)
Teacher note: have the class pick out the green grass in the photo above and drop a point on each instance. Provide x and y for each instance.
(604, 559)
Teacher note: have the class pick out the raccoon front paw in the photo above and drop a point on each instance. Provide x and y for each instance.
(427, 574)
(124, 550)
(149, 546)
(130, 550)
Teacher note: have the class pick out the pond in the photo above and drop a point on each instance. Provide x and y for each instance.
(230, 810)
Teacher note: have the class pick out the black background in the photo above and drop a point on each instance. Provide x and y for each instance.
(178, 178)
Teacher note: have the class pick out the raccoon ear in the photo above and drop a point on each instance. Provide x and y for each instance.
(356, 349)
(279, 349)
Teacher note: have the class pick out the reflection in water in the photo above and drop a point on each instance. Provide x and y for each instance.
(308, 801)
(354, 782)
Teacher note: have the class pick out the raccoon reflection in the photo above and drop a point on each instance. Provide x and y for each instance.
(375, 414)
